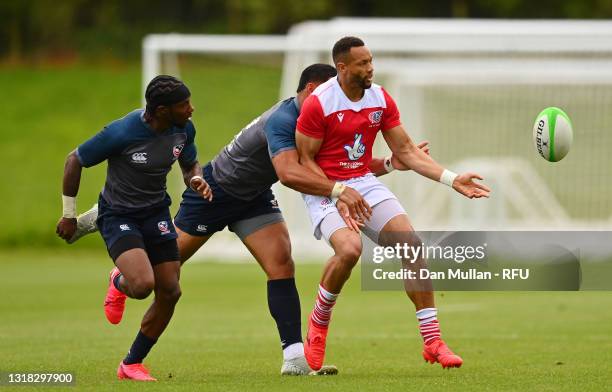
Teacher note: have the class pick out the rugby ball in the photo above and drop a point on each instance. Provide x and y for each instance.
(552, 134)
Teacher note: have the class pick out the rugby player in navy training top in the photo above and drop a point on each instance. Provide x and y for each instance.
(133, 207)
(241, 176)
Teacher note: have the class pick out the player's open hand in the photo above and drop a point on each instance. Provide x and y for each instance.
(398, 165)
(200, 186)
(344, 212)
(66, 228)
(465, 184)
(359, 209)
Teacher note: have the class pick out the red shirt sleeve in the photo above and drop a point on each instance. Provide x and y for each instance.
(311, 121)
(391, 116)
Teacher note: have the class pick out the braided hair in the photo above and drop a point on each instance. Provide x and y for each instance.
(165, 90)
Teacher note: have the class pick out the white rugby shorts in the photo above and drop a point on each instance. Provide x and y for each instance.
(372, 190)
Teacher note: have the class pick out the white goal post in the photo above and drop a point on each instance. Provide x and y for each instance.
(473, 88)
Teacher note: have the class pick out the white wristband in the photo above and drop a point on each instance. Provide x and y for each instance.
(193, 178)
(69, 206)
(337, 190)
(448, 177)
(388, 165)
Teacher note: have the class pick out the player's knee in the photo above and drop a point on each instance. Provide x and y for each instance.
(169, 294)
(283, 269)
(349, 252)
(142, 287)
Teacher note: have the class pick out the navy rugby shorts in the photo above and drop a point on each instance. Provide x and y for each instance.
(150, 229)
(199, 217)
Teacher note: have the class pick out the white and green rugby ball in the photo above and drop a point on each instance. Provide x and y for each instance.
(552, 134)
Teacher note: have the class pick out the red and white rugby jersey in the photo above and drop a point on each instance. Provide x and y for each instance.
(348, 129)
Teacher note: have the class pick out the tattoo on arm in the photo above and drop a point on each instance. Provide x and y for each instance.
(189, 171)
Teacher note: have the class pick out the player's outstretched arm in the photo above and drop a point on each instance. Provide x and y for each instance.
(413, 157)
(192, 176)
(70, 187)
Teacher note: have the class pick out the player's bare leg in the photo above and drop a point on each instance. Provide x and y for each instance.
(271, 247)
(167, 293)
(189, 244)
(137, 279)
(399, 230)
(156, 319)
(133, 277)
(347, 249)
(154, 322)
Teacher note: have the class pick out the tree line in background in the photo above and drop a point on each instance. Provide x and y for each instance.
(34, 29)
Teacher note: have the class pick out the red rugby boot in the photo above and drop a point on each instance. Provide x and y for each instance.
(438, 351)
(114, 303)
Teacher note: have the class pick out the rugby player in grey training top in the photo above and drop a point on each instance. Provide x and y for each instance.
(241, 176)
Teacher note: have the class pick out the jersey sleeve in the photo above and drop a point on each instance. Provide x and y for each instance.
(311, 121)
(189, 154)
(280, 133)
(391, 116)
(102, 145)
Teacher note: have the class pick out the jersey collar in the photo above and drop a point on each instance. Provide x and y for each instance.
(296, 103)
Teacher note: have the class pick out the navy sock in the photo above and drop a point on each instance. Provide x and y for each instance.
(140, 348)
(116, 282)
(284, 305)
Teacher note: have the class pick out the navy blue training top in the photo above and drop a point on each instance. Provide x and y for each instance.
(139, 160)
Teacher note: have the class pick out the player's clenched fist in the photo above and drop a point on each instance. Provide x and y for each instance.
(200, 186)
(66, 228)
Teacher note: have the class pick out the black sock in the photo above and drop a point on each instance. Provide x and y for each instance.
(140, 348)
(116, 282)
(284, 305)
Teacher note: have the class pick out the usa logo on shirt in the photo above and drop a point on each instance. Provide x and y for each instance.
(176, 150)
(163, 227)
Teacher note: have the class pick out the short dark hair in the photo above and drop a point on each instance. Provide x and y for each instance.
(164, 90)
(344, 45)
(316, 73)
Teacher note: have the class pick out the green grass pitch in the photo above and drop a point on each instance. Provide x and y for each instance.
(222, 337)
(52, 110)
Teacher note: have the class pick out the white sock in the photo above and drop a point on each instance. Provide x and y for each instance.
(293, 351)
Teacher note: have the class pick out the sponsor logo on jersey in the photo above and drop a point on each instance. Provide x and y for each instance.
(325, 201)
(375, 117)
(340, 116)
(357, 149)
(350, 165)
(176, 150)
(163, 227)
(274, 203)
(139, 157)
(202, 228)
(124, 227)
